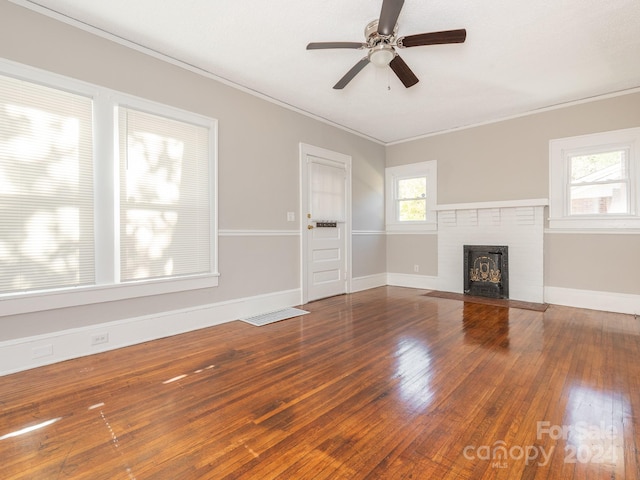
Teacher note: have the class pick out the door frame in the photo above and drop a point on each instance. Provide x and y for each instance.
(305, 150)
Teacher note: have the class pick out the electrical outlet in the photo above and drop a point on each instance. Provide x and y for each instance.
(99, 338)
(42, 351)
(416, 268)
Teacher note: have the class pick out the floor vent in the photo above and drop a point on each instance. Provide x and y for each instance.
(271, 317)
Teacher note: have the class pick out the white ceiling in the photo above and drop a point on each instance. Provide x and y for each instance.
(519, 56)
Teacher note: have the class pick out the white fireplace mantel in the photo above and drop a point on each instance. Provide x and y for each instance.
(534, 202)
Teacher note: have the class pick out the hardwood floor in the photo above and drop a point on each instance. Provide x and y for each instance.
(382, 384)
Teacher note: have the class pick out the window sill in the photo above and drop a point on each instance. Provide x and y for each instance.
(15, 304)
(588, 223)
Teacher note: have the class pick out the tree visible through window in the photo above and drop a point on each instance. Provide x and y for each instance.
(412, 199)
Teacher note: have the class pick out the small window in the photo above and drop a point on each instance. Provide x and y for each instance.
(594, 180)
(411, 197)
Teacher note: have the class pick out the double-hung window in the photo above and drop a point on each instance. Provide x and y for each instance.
(594, 180)
(411, 197)
(103, 196)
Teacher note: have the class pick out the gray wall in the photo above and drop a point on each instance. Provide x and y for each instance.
(258, 167)
(404, 251)
(509, 160)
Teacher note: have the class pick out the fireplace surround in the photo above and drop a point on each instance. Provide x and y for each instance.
(516, 223)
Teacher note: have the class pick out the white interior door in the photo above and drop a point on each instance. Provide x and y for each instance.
(326, 231)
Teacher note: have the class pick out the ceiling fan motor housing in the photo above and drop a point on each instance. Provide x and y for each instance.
(381, 51)
(374, 38)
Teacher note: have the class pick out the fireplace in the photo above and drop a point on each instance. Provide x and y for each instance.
(486, 270)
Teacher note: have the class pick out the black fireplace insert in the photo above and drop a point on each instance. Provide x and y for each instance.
(486, 270)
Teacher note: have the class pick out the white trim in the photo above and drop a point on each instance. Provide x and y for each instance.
(367, 282)
(17, 355)
(599, 231)
(393, 175)
(425, 282)
(416, 231)
(412, 228)
(533, 202)
(587, 222)
(593, 300)
(368, 232)
(258, 233)
(93, 294)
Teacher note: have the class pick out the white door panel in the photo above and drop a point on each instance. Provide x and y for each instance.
(326, 263)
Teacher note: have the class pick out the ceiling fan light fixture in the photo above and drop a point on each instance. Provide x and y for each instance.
(381, 55)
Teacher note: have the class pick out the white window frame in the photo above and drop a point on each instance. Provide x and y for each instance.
(106, 190)
(562, 150)
(393, 175)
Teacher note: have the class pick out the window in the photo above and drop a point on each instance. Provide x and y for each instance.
(46, 188)
(164, 197)
(411, 197)
(594, 180)
(327, 190)
(87, 222)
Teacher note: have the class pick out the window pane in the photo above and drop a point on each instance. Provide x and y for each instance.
(599, 199)
(164, 197)
(46, 188)
(328, 192)
(412, 210)
(412, 188)
(598, 167)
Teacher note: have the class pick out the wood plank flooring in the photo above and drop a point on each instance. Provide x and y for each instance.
(382, 384)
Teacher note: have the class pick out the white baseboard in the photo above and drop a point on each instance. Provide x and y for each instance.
(593, 300)
(30, 352)
(413, 281)
(359, 284)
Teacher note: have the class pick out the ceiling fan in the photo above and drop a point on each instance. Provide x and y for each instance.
(382, 41)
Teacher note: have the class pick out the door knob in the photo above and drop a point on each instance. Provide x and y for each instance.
(309, 227)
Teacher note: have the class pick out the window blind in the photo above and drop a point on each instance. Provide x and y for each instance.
(164, 196)
(327, 192)
(46, 188)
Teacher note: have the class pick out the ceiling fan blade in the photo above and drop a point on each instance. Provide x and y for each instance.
(433, 38)
(389, 16)
(404, 73)
(351, 73)
(322, 45)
